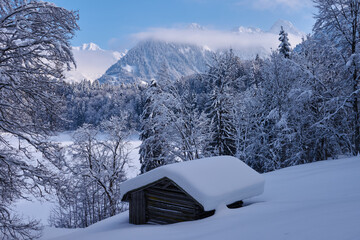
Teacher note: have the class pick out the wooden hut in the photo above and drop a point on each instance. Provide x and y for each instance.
(189, 190)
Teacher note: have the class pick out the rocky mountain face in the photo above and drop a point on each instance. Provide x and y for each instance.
(143, 62)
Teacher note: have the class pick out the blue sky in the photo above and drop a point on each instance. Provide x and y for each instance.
(112, 23)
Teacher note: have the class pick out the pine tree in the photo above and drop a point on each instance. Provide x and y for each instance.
(222, 77)
(284, 47)
(188, 124)
(150, 150)
(156, 124)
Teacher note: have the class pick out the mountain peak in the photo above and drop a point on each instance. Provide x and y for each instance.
(242, 29)
(92, 62)
(195, 26)
(288, 27)
(90, 47)
(142, 62)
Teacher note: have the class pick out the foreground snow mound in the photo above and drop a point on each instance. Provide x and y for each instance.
(211, 181)
(313, 201)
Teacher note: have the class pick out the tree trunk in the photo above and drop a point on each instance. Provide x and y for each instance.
(356, 118)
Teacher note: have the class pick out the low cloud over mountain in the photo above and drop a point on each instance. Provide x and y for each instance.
(242, 39)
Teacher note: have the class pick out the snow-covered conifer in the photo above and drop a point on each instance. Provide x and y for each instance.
(222, 133)
(155, 149)
(284, 47)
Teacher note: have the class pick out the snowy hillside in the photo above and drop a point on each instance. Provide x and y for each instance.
(92, 62)
(314, 201)
(143, 62)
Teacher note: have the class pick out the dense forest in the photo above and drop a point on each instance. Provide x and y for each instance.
(296, 106)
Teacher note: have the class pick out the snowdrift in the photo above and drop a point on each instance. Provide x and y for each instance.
(313, 201)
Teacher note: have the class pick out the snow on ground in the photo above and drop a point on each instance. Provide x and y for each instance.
(133, 169)
(313, 201)
(34, 209)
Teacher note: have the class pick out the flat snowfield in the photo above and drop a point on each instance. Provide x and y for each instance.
(313, 201)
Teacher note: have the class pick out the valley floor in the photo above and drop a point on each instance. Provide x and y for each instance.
(314, 201)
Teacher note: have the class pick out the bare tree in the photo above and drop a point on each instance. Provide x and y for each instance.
(95, 169)
(339, 19)
(34, 50)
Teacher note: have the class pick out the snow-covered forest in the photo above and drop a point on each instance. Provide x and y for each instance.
(298, 105)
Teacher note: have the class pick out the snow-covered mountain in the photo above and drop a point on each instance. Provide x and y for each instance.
(143, 62)
(195, 26)
(186, 50)
(275, 29)
(288, 27)
(263, 49)
(87, 47)
(92, 62)
(243, 29)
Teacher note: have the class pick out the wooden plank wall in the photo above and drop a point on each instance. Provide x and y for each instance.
(168, 204)
(137, 208)
(163, 203)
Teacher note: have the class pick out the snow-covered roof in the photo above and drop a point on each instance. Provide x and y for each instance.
(211, 181)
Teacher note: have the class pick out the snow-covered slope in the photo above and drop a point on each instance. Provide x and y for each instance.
(92, 62)
(143, 62)
(313, 201)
